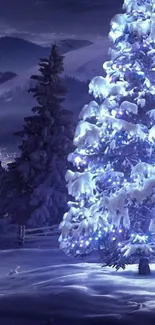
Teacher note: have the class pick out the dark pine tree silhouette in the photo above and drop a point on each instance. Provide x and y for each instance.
(35, 187)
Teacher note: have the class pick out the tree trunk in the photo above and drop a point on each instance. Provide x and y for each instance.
(144, 268)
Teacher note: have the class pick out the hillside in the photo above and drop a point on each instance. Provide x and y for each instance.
(18, 55)
(82, 63)
(5, 76)
(86, 63)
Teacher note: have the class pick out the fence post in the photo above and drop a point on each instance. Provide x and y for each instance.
(21, 235)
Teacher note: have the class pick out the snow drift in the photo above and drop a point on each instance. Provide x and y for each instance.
(51, 287)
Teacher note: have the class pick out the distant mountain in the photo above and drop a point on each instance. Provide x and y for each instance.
(18, 55)
(5, 76)
(68, 45)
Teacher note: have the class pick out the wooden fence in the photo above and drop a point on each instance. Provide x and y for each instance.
(25, 235)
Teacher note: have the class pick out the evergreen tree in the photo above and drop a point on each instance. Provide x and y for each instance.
(113, 189)
(35, 186)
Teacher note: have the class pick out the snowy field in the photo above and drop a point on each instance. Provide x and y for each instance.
(52, 288)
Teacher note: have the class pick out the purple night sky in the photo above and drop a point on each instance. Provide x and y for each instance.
(41, 20)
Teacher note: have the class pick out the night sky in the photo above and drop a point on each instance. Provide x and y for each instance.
(41, 20)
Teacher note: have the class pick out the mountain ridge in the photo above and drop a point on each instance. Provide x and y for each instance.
(18, 54)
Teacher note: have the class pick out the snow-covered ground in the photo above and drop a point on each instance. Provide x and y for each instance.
(52, 288)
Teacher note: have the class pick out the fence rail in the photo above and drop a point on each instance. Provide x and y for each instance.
(41, 229)
(21, 236)
(26, 234)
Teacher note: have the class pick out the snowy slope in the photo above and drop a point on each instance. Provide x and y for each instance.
(83, 64)
(20, 81)
(87, 62)
(52, 288)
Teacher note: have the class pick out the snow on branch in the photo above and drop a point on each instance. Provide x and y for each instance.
(80, 183)
(143, 169)
(86, 134)
(132, 249)
(89, 110)
(140, 193)
(132, 129)
(102, 87)
(128, 106)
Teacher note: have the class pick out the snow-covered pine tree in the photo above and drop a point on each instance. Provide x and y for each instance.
(113, 188)
(35, 187)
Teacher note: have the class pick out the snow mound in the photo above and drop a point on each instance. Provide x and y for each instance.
(50, 285)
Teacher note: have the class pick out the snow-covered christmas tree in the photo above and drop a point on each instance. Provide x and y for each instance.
(113, 182)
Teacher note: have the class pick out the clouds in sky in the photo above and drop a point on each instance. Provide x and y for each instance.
(37, 19)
